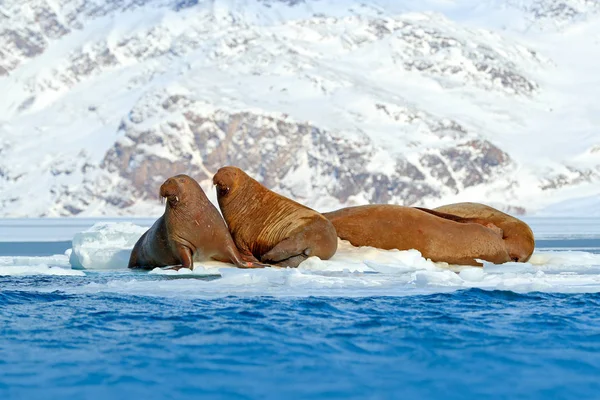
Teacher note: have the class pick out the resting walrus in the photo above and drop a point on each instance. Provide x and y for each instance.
(190, 229)
(403, 228)
(268, 226)
(517, 235)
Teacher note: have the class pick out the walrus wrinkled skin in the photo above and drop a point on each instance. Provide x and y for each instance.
(268, 226)
(517, 235)
(396, 227)
(191, 229)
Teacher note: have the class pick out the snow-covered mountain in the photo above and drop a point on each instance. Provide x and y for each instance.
(329, 102)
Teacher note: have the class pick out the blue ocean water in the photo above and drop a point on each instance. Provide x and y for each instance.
(469, 343)
(496, 344)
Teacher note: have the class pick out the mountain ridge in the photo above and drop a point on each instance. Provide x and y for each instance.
(332, 105)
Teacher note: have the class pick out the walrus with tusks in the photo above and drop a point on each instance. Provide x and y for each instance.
(389, 227)
(268, 226)
(517, 235)
(191, 228)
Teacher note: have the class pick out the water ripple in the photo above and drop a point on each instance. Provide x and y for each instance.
(453, 345)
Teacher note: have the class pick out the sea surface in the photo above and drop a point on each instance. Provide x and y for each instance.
(529, 332)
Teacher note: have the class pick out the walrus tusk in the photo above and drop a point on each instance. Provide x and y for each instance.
(169, 240)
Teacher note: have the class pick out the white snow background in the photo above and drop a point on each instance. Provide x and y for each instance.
(522, 74)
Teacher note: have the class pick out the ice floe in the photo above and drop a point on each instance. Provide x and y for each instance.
(105, 245)
(39, 269)
(353, 271)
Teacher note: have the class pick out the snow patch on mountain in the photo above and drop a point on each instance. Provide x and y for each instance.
(412, 103)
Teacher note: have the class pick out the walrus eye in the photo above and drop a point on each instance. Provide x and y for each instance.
(222, 190)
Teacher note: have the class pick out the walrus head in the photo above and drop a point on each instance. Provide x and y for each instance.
(520, 248)
(174, 188)
(226, 179)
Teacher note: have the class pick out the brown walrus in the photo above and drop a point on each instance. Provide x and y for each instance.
(268, 226)
(190, 229)
(389, 227)
(517, 235)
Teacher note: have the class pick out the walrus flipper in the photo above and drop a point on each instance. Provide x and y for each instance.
(448, 216)
(241, 258)
(250, 265)
(185, 255)
(463, 220)
(290, 252)
(248, 262)
(317, 238)
(292, 262)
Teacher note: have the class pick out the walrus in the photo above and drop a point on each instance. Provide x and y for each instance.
(388, 227)
(191, 229)
(270, 227)
(517, 235)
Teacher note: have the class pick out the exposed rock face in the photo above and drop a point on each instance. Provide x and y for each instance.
(559, 11)
(295, 158)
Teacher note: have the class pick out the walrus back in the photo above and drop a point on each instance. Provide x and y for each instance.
(137, 259)
(282, 218)
(273, 218)
(135, 256)
(517, 234)
(151, 249)
(396, 227)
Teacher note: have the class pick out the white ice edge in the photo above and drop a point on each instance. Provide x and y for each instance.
(27, 266)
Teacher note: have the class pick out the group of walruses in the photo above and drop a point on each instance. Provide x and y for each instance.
(262, 228)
